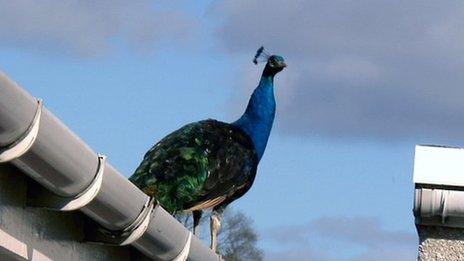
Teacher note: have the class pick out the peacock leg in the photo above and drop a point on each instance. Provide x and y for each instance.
(214, 226)
(196, 222)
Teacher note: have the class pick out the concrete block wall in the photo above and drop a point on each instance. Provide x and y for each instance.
(38, 234)
(440, 243)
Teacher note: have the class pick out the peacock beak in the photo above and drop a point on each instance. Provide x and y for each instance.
(282, 64)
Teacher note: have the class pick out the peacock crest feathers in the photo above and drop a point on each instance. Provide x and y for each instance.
(261, 56)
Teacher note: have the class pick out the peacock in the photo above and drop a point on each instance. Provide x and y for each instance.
(209, 163)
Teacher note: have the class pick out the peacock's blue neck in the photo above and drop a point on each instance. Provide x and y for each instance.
(259, 115)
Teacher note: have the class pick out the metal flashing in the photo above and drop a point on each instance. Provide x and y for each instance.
(24, 143)
(439, 207)
(185, 251)
(98, 234)
(44, 198)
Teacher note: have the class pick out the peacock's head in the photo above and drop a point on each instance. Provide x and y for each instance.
(274, 63)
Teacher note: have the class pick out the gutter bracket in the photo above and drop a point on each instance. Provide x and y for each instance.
(42, 197)
(183, 255)
(97, 234)
(25, 141)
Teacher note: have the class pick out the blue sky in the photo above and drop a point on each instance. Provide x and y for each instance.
(366, 81)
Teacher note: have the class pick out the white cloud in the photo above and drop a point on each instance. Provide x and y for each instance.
(376, 69)
(86, 28)
(340, 238)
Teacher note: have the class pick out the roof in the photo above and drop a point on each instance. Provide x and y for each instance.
(74, 177)
(439, 186)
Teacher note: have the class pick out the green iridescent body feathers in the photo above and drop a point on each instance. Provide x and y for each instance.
(207, 162)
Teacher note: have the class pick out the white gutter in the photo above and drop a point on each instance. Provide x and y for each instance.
(75, 177)
(439, 186)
